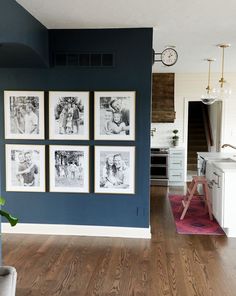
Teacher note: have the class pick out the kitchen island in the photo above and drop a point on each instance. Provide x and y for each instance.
(220, 171)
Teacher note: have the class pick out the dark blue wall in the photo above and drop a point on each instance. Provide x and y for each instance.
(132, 71)
(23, 39)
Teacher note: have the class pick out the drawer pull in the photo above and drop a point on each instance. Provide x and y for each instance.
(176, 175)
(176, 162)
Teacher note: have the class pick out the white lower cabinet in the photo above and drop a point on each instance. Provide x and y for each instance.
(215, 180)
(176, 166)
(217, 196)
(221, 186)
(220, 171)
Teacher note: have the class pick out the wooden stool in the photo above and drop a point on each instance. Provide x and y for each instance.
(191, 192)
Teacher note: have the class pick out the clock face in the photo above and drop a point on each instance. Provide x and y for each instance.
(169, 56)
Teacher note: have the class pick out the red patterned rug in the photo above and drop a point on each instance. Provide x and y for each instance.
(196, 220)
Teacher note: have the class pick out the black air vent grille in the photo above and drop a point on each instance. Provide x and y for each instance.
(98, 60)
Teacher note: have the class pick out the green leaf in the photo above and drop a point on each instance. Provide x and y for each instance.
(2, 201)
(12, 220)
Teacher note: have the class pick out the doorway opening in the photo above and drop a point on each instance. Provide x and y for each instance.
(203, 132)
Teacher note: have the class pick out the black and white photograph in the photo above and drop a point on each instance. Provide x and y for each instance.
(24, 114)
(115, 169)
(69, 168)
(25, 168)
(114, 115)
(69, 115)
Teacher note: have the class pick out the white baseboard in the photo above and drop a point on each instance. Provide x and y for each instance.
(230, 232)
(80, 230)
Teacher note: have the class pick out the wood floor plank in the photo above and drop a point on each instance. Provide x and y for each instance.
(167, 265)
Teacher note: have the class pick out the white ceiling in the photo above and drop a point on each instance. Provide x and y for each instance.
(194, 27)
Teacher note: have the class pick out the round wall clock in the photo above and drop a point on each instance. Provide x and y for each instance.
(169, 56)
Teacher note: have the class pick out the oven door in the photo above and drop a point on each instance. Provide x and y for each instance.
(159, 169)
(159, 172)
(159, 159)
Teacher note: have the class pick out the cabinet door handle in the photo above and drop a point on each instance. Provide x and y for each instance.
(218, 179)
(210, 184)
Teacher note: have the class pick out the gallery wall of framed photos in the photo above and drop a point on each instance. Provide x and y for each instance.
(74, 157)
(68, 114)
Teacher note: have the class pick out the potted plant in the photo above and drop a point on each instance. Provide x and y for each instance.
(8, 274)
(175, 138)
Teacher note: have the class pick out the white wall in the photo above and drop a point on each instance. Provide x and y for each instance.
(190, 87)
(214, 111)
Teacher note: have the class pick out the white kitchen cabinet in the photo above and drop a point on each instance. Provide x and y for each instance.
(229, 202)
(221, 177)
(218, 195)
(176, 166)
(215, 181)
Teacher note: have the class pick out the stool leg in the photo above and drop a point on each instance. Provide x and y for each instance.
(189, 190)
(188, 201)
(207, 196)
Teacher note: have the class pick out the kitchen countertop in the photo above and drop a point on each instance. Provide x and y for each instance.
(210, 155)
(225, 166)
(214, 158)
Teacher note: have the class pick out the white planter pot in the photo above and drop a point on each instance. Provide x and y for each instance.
(8, 277)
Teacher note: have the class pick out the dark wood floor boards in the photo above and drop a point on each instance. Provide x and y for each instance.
(167, 265)
(121, 278)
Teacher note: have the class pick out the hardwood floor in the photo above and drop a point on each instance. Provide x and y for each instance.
(168, 264)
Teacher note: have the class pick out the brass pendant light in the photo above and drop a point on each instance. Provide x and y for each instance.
(210, 96)
(223, 90)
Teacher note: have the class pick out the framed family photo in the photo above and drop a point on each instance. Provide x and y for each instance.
(115, 169)
(68, 115)
(24, 114)
(69, 168)
(25, 168)
(114, 115)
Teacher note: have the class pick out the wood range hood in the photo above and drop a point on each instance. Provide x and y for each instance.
(163, 86)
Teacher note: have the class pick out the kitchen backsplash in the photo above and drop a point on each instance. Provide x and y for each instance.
(162, 137)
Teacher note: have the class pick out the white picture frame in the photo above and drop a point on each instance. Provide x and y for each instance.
(69, 168)
(25, 168)
(114, 169)
(114, 115)
(24, 115)
(68, 115)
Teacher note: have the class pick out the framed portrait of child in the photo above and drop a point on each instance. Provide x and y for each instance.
(114, 115)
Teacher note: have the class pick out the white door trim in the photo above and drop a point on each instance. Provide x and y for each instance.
(185, 126)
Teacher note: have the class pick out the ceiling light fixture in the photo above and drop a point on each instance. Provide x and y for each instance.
(223, 90)
(209, 97)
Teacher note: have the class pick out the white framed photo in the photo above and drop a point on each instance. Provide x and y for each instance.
(24, 114)
(68, 115)
(115, 169)
(114, 115)
(25, 168)
(69, 168)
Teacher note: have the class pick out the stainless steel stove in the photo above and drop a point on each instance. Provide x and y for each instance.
(159, 166)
